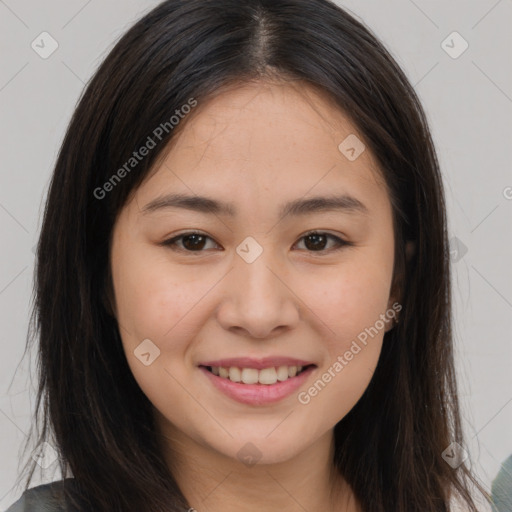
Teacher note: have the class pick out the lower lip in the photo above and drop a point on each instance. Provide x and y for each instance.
(258, 394)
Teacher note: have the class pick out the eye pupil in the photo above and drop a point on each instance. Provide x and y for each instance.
(316, 237)
(198, 244)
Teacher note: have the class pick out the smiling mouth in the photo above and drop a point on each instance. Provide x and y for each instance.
(265, 376)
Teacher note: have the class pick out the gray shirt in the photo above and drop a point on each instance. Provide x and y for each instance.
(44, 498)
(49, 497)
(502, 488)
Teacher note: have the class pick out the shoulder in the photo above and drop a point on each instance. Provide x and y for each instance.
(502, 487)
(44, 498)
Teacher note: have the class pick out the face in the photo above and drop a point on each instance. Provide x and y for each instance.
(243, 284)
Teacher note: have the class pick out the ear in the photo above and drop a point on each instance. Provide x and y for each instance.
(410, 249)
(396, 294)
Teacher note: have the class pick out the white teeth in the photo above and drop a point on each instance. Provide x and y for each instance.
(249, 376)
(235, 374)
(266, 376)
(282, 373)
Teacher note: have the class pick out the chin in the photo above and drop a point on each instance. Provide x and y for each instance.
(258, 449)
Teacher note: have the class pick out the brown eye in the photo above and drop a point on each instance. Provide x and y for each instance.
(196, 242)
(317, 241)
(190, 242)
(193, 242)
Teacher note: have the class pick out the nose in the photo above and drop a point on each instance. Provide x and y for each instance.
(258, 299)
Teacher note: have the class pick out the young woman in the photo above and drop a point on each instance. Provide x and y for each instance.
(243, 279)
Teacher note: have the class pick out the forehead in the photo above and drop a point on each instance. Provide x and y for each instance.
(292, 119)
(271, 139)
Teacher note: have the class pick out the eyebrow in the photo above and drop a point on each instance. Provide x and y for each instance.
(346, 203)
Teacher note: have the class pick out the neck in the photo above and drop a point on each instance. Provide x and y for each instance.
(213, 482)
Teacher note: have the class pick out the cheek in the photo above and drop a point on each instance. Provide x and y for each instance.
(350, 306)
(153, 297)
(351, 298)
(337, 388)
(155, 302)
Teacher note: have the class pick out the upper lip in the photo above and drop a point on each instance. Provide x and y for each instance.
(258, 364)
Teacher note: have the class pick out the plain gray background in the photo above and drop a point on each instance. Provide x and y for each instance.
(469, 105)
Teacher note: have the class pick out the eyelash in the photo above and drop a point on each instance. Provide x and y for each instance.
(341, 243)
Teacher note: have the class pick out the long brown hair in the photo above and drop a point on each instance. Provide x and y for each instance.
(389, 447)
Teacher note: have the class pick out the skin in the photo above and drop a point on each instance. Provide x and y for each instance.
(258, 146)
